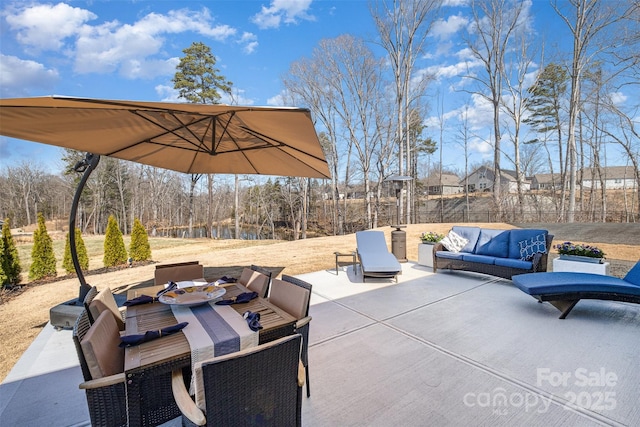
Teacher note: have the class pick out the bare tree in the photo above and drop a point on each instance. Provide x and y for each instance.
(403, 27)
(495, 23)
(595, 26)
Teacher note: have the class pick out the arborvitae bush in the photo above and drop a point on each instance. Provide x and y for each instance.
(139, 249)
(115, 252)
(43, 260)
(81, 251)
(10, 268)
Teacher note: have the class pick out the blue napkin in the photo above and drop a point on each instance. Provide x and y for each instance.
(253, 320)
(227, 279)
(242, 298)
(142, 299)
(131, 340)
(172, 286)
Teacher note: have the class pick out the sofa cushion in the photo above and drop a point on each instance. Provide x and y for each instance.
(482, 259)
(449, 255)
(534, 245)
(493, 243)
(469, 233)
(454, 242)
(517, 235)
(633, 276)
(514, 263)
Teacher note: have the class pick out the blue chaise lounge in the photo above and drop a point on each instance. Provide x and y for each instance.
(375, 258)
(563, 289)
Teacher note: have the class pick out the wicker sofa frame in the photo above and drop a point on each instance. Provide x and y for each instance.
(539, 263)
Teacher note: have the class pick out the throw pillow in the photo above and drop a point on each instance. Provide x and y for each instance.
(532, 246)
(454, 242)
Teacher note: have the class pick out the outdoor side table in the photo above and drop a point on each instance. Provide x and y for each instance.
(347, 254)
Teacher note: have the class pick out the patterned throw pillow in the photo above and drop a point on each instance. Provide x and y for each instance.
(454, 242)
(532, 246)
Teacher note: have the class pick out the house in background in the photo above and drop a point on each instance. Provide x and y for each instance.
(546, 181)
(450, 184)
(481, 180)
(613, 177)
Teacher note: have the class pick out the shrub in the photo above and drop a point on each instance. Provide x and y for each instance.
(43, 259)
(115, 252)
(10, 268)
(139, 249)
(81, 251)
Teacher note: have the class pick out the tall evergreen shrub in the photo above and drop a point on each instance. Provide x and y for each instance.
(10, 268)
(115, 252)
(139, 249)
(81, 251)
(43, 259)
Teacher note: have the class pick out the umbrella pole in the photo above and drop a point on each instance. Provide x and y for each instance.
(87, 166)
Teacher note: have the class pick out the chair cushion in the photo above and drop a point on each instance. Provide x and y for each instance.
(633, 276)
(449, 255)
(100, 347)
(291, 298)
(253, 280)
(454, 242)
(105, 301)
(469, 233)
(493, 243)
(514, 263)
(482, 259)
(517, 235)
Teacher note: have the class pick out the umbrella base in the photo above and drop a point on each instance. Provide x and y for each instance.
(64, 315)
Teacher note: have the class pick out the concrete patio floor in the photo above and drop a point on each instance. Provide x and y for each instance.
(442, 349)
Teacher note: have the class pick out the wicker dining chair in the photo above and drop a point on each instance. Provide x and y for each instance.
(106, 397)
(176, 272)
(257, 386)
(91, 294)
(293, 295)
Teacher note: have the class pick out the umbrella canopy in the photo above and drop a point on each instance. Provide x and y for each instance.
(189, 138)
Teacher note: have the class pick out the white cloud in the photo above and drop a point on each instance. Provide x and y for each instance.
(282, 11)
(17, 74)
(250, 42)
(126, 48)
(617, 98)
(444, 29)
(45, 27)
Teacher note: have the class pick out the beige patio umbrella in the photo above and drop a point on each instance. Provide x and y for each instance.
(189, 138)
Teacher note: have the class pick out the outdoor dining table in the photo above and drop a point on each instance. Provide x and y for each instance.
(149, 365)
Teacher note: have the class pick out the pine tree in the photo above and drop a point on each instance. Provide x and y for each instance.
(10, 268)
(81, 251)
(43, 260)
(115, 252)
(139, 248)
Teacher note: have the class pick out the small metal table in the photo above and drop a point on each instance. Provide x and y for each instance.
(354, 260)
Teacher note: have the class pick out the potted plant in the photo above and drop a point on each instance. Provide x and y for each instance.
(578, 252)
(425, 249)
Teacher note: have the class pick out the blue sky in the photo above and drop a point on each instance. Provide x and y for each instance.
(129, 49)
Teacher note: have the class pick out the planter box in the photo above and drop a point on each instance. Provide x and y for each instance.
(425, 254)
(560, 264)
(579, 258)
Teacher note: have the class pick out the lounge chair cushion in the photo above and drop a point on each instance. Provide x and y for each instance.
(565, 282)
(374, 254)
(493, 243)
(469, 233)
(518, 235)
(101, 347)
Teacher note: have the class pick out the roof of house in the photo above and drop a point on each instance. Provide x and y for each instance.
(610, 172)
(448, 179)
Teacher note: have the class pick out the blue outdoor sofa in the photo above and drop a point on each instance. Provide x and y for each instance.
(501, 253)
(563, 289)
